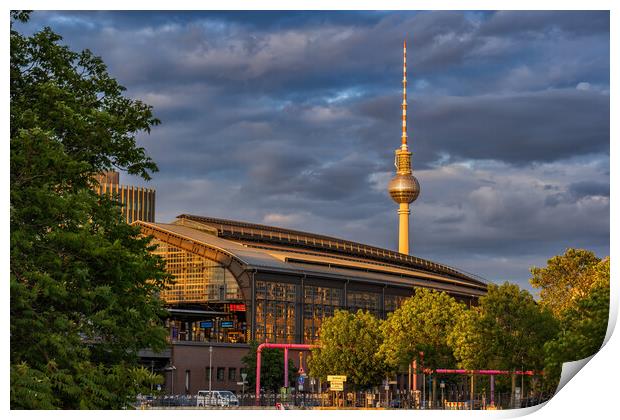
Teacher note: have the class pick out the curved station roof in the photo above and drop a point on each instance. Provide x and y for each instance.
(244, 247)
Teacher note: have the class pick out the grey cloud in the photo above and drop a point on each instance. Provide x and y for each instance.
(511, 216)
(284, 60)
(589, 188)
(330, 181)
(449, 219)
(518, 128)
(578, 22)
(577, 191)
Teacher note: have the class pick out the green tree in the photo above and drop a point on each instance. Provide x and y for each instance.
(348, 345)
(83, 283)
(272, 368)
(421, 324)
(583, 325)
(506, 331)
(566, 279)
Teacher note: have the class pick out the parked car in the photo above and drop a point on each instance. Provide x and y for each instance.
(396, 403)
(217, 399)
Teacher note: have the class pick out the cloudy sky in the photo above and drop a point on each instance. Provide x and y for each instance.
(291, 119)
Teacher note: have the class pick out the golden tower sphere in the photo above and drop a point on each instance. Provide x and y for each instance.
(404, 188)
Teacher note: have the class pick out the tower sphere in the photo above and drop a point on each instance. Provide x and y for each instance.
(404, 188)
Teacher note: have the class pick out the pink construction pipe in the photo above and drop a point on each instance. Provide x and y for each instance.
(486, 372)
(286, 347)
(285, 367)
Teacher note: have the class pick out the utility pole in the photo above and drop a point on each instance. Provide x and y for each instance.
(210, 369)
(471, 391)
(442, 385)
(522, 389)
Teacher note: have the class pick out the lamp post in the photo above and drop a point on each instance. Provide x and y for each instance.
(423, 380)
(152, 365)
(243, 376)
(522, 376)
(442, 385)
(210, 368)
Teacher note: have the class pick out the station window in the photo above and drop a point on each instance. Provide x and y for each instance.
(232, 374)
(220, 374)
(319, 303)
(275, 312)
(367, 301)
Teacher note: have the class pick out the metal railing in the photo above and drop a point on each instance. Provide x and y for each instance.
(353, 400)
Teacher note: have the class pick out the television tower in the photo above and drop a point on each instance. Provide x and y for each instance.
(404, 187)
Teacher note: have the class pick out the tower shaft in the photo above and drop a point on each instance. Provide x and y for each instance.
(403, 228)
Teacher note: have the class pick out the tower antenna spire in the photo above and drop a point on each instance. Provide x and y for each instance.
(404, 104)
(404, 187)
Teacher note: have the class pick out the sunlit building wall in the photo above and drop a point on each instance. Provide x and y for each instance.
(137, 203)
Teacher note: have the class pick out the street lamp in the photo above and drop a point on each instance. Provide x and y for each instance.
(210, 368)
(243, 376)
(423, 380)
(152, 365)
(442, 385)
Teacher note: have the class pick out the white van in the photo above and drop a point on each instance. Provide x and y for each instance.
(216, 398)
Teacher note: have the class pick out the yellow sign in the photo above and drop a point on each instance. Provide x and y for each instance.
(336, 386)
(336, 378)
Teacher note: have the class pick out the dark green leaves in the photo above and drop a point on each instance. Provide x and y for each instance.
(83, 284)
(349, 343)
(421, 324)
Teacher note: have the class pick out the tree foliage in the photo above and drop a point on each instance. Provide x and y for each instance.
(83, 283)
(566, 279)
(272, 368)
(421, 324)
(348, 345)
(583, 325)
(506, 331)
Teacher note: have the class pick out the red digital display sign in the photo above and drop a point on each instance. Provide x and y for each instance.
(237, 307)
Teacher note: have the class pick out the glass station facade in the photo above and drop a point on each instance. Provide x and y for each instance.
(265, 303)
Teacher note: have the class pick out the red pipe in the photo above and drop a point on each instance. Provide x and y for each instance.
(285, 367)
(486, 372)
(286, 347)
